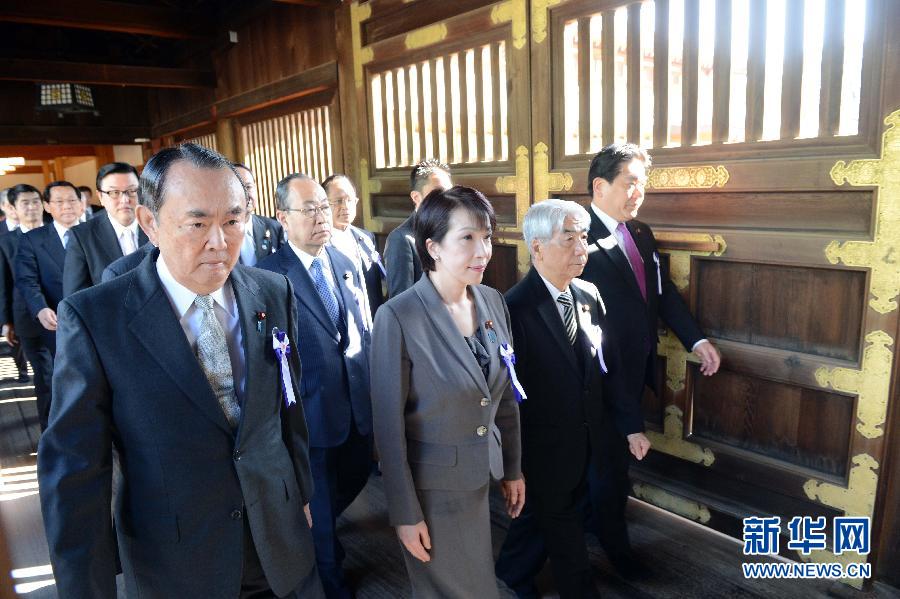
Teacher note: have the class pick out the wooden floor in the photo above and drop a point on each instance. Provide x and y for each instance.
(687, 560)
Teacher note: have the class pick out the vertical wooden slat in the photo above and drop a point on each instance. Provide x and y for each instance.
(410, 159)
(267, 161)
(584, 84)
(396, 118)
(283, 146)
(384, 121)
(479, 104)
(329, 161)
(309, 167)
(722, 72)
(497, 79)
(756, 71)
(463, 106)
(689, 72)
(792, 73)
(448, 109)
(435, 125)
(313, 142)
(420, 94)
(661, 75)
(633, 66)
(832, 69)
(609, 65)
(323, 150)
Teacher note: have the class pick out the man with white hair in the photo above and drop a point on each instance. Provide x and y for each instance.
(572, 382)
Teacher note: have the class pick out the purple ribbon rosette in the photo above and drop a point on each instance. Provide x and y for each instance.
(282, 348)
(506, 352)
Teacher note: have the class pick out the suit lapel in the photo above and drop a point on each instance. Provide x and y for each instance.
(305, 289)
(53, 245)
(453, 340)
(261, 243)
(612, 252)
(250, 303)
(142, 237)
(155, 326)
(106, 237)
(546, 307)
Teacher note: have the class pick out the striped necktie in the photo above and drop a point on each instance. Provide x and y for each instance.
(565, 300)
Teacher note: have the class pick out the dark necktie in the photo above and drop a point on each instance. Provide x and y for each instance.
(565, 300)
(634, 258)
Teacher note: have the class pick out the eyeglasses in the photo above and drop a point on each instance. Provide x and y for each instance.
(27, 203)
(65, 202)
(310, 213)
(116, 194)
(342, 202)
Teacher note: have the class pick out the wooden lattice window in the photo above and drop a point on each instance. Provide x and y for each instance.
(452, 106)
(207, 141)
(294, 143)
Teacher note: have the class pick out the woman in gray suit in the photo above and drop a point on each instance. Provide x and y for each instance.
(444, 415)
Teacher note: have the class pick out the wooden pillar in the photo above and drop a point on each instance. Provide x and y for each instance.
(225, 139)
(48, 175)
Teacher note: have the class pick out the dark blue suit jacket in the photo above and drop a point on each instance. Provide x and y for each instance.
(335, 384)
(126, 376)
(39, 271)
(11, 300)
(93, 245)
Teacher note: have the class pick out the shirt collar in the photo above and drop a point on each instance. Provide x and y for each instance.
(248, 227)
(554, 292)
(307, 259)
(182, 298)
(118, 228)
(60, 230)
(611, 223)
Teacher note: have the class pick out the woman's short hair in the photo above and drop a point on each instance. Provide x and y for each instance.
(433, 216)
(545, 219)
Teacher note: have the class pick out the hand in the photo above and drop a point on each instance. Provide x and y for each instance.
(416, 540)
(9, 331)
(514, 493)
(48, 319)
(308, 515)
(709, 357)
(638, 445)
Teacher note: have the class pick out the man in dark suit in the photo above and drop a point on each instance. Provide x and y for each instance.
(39, 278)
(570, 371)
(355, 243)
(333, 351)
(400, 258)
(99, 241)
(265, 235)
(86, 194)
(215, 468)
(11, 222)
(624, 264)
(21, 330)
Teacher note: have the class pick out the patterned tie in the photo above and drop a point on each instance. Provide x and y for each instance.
(634, 258)
(212, 352)
(126, 241)
(565, 300)
(329, 300)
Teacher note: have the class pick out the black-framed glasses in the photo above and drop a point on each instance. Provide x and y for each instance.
(310, 213)
(116, 194)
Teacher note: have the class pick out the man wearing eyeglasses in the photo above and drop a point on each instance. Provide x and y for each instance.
(100, 241)
(262, 235)
(355, 243)
(39, 271)
(334, 354)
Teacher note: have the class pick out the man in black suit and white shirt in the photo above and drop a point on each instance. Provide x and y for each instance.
(96, 243)
(263, 235)
(355, 243)
(624, 264)
(215, 465)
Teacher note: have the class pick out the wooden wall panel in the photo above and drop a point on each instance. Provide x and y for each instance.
(501, 271)
(809, 428)
(810, 310)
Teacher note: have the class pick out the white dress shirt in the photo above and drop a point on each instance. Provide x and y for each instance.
(248, 245)
(345, 242)
(555, 293)
(61, 231)
(189, 317)
(130, 231)
(307, 260)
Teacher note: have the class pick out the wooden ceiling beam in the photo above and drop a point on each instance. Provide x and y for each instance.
(105, 15)
(48, 71)
(17, 135)
(314, 3)
(32, 152)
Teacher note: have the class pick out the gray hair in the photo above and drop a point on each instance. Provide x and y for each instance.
(545, 219)
(283, 190)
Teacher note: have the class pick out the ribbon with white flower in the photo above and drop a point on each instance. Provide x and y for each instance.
(658, 275)
(506, 352)
(282, 348)
(596, 338)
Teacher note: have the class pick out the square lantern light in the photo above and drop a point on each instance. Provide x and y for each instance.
(70, 98)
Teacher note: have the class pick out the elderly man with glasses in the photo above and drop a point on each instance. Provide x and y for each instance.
(100, 241)
(334, 353)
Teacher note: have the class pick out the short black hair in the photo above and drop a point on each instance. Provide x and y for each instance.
(238, 165)
(335, 176)
(17, 190)
(421, 172)
(46, 196)
(608, 162)
(282, 190)
(114, 168)
(85, 189)
(153, 180)
(432, 219)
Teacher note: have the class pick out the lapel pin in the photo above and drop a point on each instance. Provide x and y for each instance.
(489, 327)
(260, 319)
(585, 308)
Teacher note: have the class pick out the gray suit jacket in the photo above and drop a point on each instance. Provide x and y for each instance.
(400, 258)
(438, 424)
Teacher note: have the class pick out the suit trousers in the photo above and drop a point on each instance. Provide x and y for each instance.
(253, 580)
(41, 358)
(609, 496)
(462, 561)
(339, 474)
(18, 356)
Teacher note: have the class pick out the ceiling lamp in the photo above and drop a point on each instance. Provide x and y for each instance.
(68, 98)
(7, 165)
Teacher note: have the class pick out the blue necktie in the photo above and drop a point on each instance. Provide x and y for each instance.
(329, 300)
